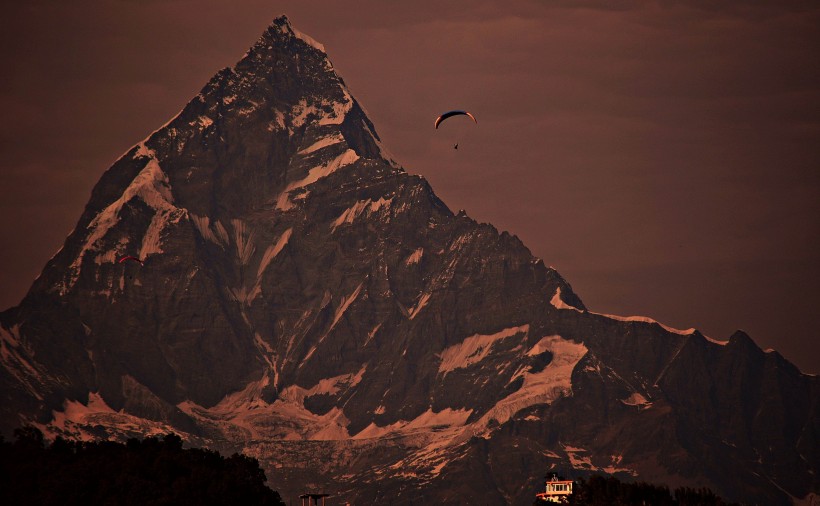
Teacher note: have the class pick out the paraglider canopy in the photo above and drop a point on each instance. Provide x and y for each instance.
(129, 257)
(450, 114)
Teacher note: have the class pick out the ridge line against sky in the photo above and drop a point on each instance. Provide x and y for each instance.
(662, 156)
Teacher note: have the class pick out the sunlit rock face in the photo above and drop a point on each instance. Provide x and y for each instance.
(303, 299)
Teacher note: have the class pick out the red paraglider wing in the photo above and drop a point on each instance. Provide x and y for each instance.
(128, 257)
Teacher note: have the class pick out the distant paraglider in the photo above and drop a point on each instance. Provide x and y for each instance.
(129, 258)
(450, 114)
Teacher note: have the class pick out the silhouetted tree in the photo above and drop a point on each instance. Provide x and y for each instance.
(151, 471)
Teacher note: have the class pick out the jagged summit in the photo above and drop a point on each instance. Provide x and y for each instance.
(254, 138)
(302, 298)
(282, 26)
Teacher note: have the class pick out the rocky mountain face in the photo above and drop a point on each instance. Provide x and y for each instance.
(303, 299)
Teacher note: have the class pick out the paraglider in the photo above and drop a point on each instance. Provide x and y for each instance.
(128, 258)
(459, 130)
(450, 114)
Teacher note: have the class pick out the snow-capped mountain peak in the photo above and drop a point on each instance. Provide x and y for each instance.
(303, 299)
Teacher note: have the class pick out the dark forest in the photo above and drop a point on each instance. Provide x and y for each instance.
(151, 471)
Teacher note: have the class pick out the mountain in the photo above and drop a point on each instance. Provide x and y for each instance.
(305, 300)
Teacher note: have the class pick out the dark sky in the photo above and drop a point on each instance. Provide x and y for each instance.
(663, 156)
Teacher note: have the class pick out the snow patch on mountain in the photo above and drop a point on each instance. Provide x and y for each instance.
(249, 397)
(245, 294)
(299, 113)
(475, 348)
(346, 302)
(372, 334)
(614, 466)
(278, 124)
(423, 300)
(638, 400)
(267, 354)
(152, 240)
(152, 186)
(237, 412)
(445, 418)
(348, 157)
(246, 415)
(340, 311)
(75, 411)
(580, 458)
(295, 394)
(414, 257)
(324, 112)
(366, 207)
(330, 140)
(429, 443)
(715, 341)
(78, 421)
(217, 235)
(559, 303)
(244, 241)
(111, 256)
(273, 251)
(543, 387)
(645, 319)
(576, 459)
(461, 241)
(338, 109)
(202, 121)
(307, 39)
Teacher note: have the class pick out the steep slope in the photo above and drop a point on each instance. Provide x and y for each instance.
(305, 300)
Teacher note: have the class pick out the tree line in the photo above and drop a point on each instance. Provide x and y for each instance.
(610, 491)
(152, 471)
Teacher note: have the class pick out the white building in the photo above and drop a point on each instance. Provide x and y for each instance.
(557, 491)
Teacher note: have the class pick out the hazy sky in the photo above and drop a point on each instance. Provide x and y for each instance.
(663, 156)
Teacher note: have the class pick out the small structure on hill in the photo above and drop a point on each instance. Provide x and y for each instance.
(558, 489)
(307, 497)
